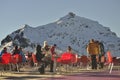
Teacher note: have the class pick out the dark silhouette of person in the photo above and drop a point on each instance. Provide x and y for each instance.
(39, 54)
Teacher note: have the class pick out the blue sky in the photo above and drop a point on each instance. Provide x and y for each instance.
(15, 13)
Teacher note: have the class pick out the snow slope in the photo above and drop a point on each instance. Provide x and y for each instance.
(70, 30)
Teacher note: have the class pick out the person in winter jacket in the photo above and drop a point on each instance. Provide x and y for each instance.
(46, 60)
(46, 51)
(3, 51)
(101, 55)
(93, 49)
(22, 55)
(52, 49)
(45, 47)
(16, 50)
(69, 49)
(102, 50)
(39, 54)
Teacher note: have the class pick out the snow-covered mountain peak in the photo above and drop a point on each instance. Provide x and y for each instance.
(70, 30)
(26, 26)
(69, 15)
(71, 19)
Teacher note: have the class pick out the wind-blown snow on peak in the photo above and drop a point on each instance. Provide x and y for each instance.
(70, 30)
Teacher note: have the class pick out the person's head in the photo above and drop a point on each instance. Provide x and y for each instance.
(5, 49)
(97, 41)
(69, 48)
(92, 40)
(16, 47)
(45, 43)
(38, 47)
(55, 45)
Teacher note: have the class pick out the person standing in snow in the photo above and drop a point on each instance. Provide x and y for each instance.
(52, 49)
(46, 60)
(16, 50)
(22, 55)
(3, 51)
(39, 54)
(46, 51)
(101, 55)
(69, 49)
(93, 49)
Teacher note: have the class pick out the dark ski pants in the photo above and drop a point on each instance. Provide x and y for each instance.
(94, 61)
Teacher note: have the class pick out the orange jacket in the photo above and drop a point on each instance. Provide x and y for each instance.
(93, 48)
